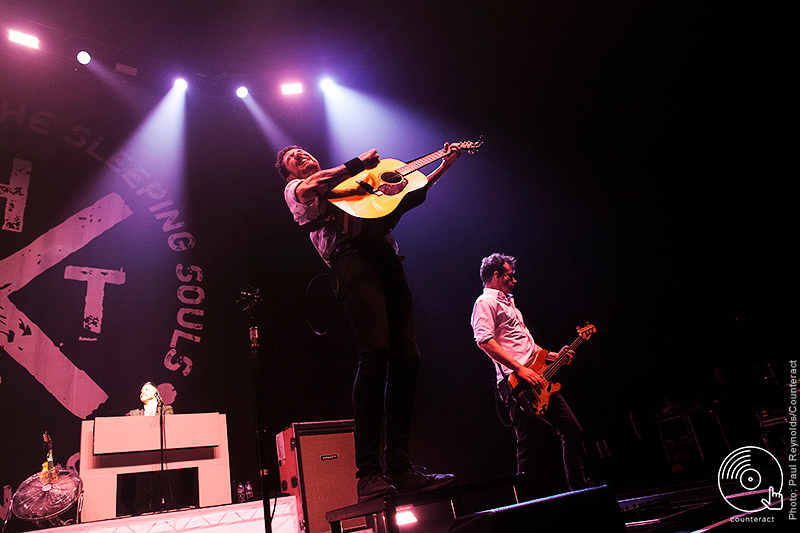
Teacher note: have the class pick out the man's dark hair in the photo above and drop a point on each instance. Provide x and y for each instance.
(282, 170)
(496, 263)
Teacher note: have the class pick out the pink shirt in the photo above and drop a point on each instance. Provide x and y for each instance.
(495, 316)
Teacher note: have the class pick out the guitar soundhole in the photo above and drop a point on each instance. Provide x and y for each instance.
(391, 177)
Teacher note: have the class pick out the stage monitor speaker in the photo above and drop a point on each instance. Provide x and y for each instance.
(594, 509)
(317, 465)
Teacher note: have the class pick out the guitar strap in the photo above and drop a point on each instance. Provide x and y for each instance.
(502, 409)
(318, 223)
(499, 403)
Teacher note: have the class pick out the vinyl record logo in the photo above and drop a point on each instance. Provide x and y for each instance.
(750, 479)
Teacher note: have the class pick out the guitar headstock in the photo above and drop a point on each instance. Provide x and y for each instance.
(470, 146)
(48, 473)
(586, 330)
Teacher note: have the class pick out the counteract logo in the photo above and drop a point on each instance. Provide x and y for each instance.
(751, 479)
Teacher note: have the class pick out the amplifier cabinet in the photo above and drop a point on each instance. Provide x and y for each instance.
(317, 465)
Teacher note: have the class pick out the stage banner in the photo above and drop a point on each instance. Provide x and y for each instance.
(103, 284)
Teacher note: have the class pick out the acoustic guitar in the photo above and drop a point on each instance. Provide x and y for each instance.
(371, 203)
(534, 402)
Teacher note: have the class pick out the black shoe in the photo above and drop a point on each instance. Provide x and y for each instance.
(415, 479)
(373, 486)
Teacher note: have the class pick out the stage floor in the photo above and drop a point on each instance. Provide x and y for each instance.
(694, 506)
(235, 518)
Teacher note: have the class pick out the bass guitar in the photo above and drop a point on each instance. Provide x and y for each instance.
(371, 203)
(534, 402)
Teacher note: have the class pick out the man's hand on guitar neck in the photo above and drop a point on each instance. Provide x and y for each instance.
(551, 356)
(452, 152)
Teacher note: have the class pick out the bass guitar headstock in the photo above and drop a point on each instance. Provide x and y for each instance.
(470, 146)
(586, 330)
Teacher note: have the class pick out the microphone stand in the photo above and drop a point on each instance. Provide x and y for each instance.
(163, 446)
(250, 297)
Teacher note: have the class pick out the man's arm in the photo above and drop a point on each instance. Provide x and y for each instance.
(320, 183)
(496, 352)
(551, 356)
(447, 162)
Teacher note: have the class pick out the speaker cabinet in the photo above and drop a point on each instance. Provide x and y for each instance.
(594, 509)
(692, 439)
(317, 465)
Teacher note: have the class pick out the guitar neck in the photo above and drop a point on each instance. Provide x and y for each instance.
(418, 163)
(562, 357)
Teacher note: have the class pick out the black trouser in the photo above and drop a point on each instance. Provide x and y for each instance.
(373, 289)
(558, 416)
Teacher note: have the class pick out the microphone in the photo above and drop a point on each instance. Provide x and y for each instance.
(158, 398)
(253, 338)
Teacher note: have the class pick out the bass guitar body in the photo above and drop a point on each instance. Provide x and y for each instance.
(533, 403)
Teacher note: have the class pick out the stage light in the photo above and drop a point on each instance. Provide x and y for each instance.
(242, 91)
(84, 57)
(23, 39)
(181, 84)
(405, 517)
(292, 88)
(327, 84)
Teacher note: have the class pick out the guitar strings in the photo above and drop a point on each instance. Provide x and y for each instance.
(556, 364)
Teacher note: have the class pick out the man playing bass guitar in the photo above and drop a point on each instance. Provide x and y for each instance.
(501, 333)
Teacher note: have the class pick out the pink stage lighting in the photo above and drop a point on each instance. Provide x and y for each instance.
(292, 88)
(23, 39)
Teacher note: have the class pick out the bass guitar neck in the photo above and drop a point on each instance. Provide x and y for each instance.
(534, 401)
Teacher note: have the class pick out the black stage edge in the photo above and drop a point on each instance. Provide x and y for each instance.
(689, 505)
(469, 508)
(594, 509)
(435, 508)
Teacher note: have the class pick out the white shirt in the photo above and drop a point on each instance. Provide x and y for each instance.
(324, 238)
(494, 316)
